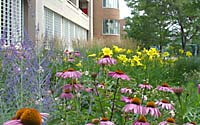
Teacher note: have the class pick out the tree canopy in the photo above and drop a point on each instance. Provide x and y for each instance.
(158, 22)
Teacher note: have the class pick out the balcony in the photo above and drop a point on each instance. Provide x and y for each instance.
(70, 10)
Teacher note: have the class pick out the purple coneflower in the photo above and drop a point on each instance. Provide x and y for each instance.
(178, 90)
(70, 73)
(170, 121)
(145, 86)
(164, 104)
(89, 90)
(126, 99)
(74, 86)
(66, 94)
(70, 60)
(151, 108)
(199, 88)
(77, 54)
(165, 87)
(119, 75)
(106, 60)
(141, 121)
(94, 122)
(134, 107)
(126, 90)
(102, 86)
(27, 116)
(104, 121)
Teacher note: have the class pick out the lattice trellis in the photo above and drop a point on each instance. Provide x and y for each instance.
(11, 21)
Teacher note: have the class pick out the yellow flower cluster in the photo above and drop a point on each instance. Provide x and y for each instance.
(136, 58)
(188, 54)
(107, 51)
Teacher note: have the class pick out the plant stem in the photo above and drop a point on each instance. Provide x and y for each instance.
(181, 109)
(125, 119)
(113, 103)
(101, 107)
(21, 85)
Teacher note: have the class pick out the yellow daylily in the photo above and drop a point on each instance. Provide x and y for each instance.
(107, 51)
(122, 58)
(92, 55)
(181, 51)
(135, 61)
(188, 54)
(129, 51)
(117, 49)
(165, 54)
(79, 64)
(139, 53)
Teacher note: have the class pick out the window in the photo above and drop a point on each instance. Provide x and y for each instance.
(11, 21)
(111, 3)
(59, 27)
(110, 27)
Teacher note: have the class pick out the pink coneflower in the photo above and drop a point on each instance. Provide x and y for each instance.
(70, 60)
(141, 121)
(198, 88)
(170, 121)
(104, 121)
(89, 90)
(106, 60)
(66, 51)
(74, 86)
(70, 73)
(165, 87)
(145, 86)
(119, 74)
(134, 107)
(77, 54)
(126, 91)
(178, 90)
(151, 109)
(66, 95)
(94, 122)
(27, 116)
(102, 86)
(164, 104)
(126, 99)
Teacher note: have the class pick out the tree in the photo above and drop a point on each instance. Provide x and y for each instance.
(157, 22)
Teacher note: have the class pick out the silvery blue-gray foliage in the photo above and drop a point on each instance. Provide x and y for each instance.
(24, 78)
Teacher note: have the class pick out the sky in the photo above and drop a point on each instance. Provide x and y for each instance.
(124, 10)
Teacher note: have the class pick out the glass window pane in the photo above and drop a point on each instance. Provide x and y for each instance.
(110, 27)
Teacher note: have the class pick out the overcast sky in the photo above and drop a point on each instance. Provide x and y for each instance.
(124, 10)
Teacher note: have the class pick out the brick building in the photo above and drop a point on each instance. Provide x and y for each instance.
(106, 19)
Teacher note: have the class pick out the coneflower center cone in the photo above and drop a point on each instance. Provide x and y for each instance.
(151, 104)
(165, 85)
(136, 101)
(67, 91)
(142, 119)
(119, 72)
(170, 120)
(165, 101)
(104, 119)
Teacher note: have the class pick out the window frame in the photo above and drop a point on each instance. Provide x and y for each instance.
(113, 26)
(113, 5)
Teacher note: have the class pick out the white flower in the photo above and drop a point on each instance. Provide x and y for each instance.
(40, 70)
(172, 113)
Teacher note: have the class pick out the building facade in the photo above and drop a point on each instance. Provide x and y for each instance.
(106, 19)
(66, 20)
(70, 21)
